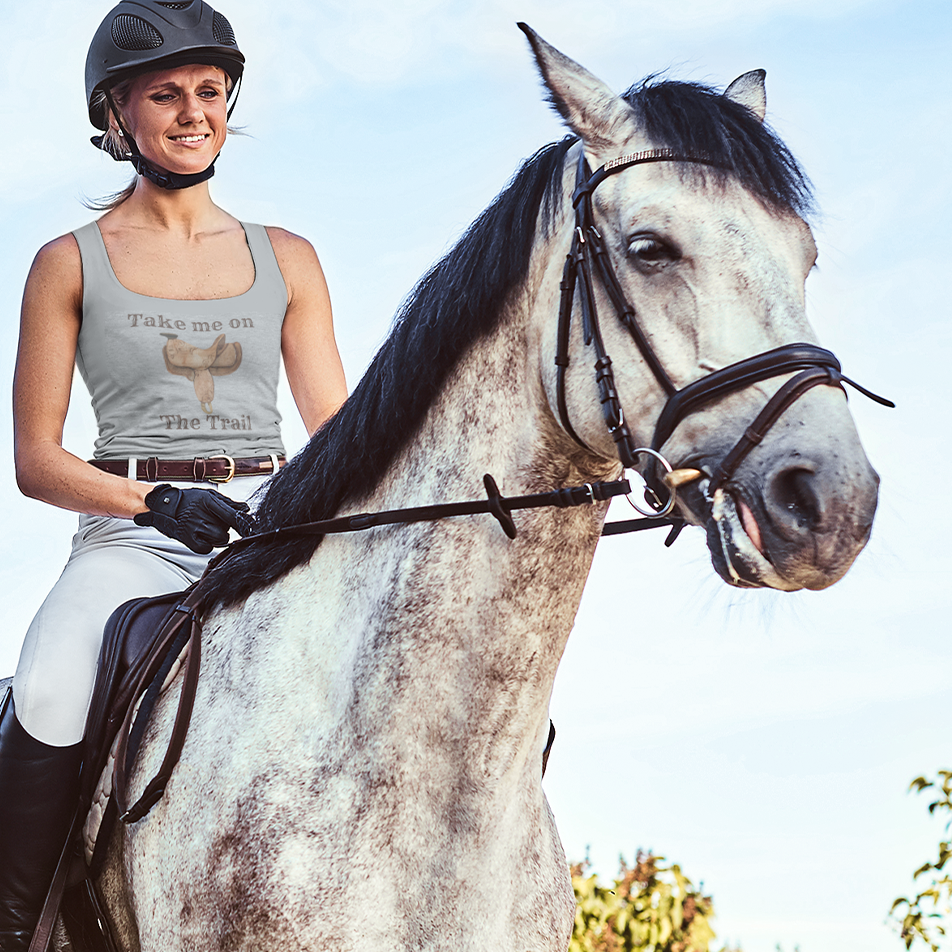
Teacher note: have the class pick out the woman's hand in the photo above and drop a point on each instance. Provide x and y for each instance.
(198, 518)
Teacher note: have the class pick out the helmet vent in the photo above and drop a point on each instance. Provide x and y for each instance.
(175, 4)
(224, 34)
(134, 33)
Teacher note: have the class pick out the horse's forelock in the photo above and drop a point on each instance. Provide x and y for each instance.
(694, 119)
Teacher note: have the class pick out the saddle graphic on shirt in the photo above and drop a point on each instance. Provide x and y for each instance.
(200, 365)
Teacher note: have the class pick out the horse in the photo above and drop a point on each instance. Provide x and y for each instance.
(363, 768)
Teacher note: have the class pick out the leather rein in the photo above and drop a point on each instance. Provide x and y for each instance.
(587, 258)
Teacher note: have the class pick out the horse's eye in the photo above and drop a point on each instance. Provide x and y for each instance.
(650, 252)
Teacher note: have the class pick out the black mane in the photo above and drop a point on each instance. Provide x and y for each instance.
(460, 300)
(693, 119)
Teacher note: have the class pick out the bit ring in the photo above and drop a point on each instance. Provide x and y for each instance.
(672, 498)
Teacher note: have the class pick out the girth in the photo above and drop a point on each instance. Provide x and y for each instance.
(588, 257)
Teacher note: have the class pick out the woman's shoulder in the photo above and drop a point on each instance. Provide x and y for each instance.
(59, 259)
(61, 250)
(296, 257)
(289, 244)
(55, 282)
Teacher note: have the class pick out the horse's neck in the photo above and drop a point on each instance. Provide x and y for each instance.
(481, 620)
(447, 624)
(492, 418)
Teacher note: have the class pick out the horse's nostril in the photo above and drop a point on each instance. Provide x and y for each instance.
(794, 495)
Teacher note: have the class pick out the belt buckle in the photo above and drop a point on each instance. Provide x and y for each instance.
(231, 470)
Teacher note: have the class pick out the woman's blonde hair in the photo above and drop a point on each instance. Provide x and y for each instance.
(113, 142)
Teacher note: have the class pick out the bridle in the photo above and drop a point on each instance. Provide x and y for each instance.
(587, 258)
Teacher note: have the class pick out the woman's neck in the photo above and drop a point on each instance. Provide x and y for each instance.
(188, 211)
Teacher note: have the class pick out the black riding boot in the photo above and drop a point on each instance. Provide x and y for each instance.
(39, 786)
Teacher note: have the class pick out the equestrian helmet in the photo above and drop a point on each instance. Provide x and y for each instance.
(139, 36)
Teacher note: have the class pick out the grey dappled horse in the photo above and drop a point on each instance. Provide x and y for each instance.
(363, 766)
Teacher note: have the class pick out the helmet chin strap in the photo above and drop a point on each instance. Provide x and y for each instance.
(161, 177)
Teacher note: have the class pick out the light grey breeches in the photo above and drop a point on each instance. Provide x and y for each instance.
(112, 560)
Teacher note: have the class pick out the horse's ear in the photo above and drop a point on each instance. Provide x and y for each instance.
(588, 106)
(748, 90)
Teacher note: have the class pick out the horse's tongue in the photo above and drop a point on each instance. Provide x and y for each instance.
(750, 526)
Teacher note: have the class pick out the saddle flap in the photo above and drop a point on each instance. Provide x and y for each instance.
(130, 635)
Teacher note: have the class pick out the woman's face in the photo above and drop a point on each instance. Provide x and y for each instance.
(178, 116)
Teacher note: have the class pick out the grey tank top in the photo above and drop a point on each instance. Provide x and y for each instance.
(179, 379)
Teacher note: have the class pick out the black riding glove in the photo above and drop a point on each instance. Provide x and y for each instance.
(199, 518)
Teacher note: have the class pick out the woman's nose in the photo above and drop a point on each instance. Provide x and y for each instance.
(192, 108)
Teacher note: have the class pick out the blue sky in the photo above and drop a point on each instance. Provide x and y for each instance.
(763, 741)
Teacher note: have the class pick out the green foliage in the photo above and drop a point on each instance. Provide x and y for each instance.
(919, 920)
(650, 908)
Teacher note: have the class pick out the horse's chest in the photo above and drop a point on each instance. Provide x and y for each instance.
(341, 861)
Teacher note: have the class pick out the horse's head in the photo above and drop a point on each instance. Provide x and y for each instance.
(709, 254)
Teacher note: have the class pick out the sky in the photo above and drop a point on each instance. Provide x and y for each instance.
(763, 741)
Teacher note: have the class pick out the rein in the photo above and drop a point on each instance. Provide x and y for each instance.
(184, 623)
(588, 257)
(496, 504)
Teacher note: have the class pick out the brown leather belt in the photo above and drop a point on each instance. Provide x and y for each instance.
(215, 469)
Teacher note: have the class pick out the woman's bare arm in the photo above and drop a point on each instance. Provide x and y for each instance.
(49, 328)
(308, 346)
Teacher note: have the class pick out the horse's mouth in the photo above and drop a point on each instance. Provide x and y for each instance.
(736, 545)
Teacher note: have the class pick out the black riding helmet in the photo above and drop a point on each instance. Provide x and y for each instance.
(139, 36)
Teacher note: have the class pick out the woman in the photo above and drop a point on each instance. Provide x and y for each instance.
(176, 315)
